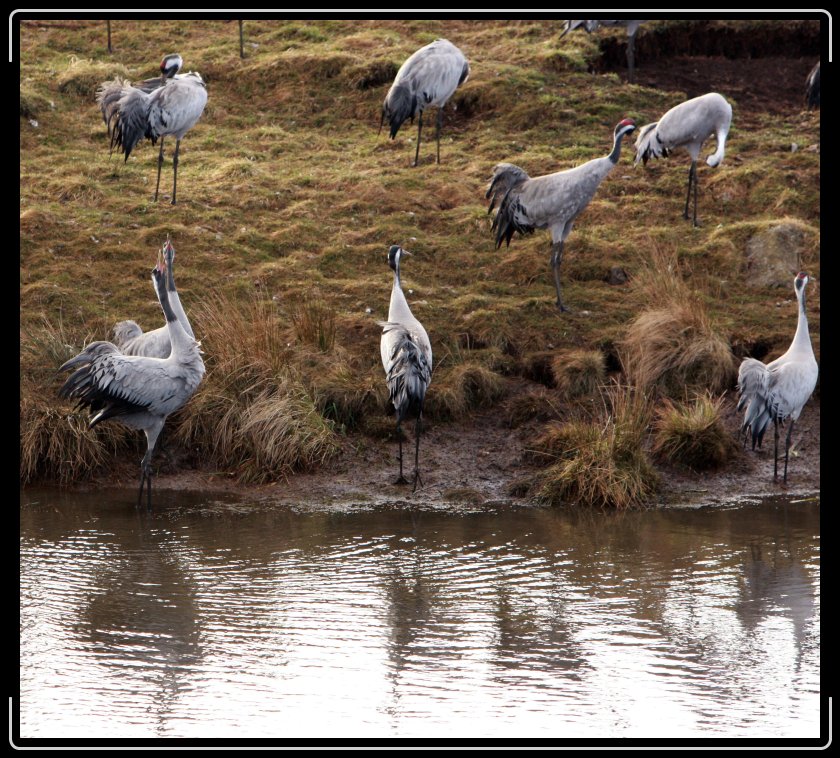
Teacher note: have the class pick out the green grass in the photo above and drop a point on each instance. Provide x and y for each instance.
(287, 195)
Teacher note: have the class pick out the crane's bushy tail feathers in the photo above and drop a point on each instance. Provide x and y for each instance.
(400, 105)
(507, 179)
(125, 111)
(648, 145)
(408, 373)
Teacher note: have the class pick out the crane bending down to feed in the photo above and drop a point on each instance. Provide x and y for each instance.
(812, 88)
(553, 201)
(156, 108)
(407, 359)
(132, 340)
(137, 390)
(778, 390)
(688, 125)
(631, 26)
(428, 77)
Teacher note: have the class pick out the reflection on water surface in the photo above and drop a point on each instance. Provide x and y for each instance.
(220, 619)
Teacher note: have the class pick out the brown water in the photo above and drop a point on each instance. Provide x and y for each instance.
(209, 618)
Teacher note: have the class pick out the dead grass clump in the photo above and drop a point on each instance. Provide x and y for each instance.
(55, 443)
(347, 396)
(463, 388)
(313, 322)
(489, 328)
(534, 405)
(250, 414)
(601, 462)
(82, 76)
(693, 434)
(373, 74)
(674, 347)
(579, 373)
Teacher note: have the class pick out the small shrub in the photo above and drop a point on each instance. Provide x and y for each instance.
(693, 434)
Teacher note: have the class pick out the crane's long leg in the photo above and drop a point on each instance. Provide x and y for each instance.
(241, 41)
(787, 448)
(556, 257)
(145, 479)
(775, 450)
(691, 174)
(160, 163)
(417, 429)
(400, 479)
(695, 195)
(631, 57)
(175, 170)
(437, 131)
(419, 129)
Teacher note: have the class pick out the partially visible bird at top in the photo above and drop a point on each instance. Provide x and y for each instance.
(407, 359)
(428, 78)
(138, 391)
(688, 125)
(552, 201)
(632, 26)
(812, 87)
(132, 340)
(778, 390)
(170, 104)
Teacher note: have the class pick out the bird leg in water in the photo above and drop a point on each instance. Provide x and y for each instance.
(160, 163)
(419, 130)
(175, 170)
(556, 257)
(400, 479)
(145, 478)
(417, 429)
(437, 131)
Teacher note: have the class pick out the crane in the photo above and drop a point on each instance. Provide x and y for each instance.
(631, 26)
(688, 125)
(132, 340)
(156, 108)
(552, 201)
(138, 391)
(407, 359)
(778, 390)
(812, 87)
(428, 77)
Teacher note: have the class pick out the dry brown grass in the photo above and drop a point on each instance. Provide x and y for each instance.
(599, 462)
(674, 347)
(456, 390)
(692, 434)
(578, 373)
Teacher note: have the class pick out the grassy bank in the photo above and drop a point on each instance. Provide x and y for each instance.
(288, 200)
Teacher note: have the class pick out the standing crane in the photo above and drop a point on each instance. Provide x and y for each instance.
(778, 390)
(428, 77)
(156, 108)
(688, 125)
(552, 201)
(137, 390)
(812, 88)
(132, 340)
(631, 26)
(407, 359)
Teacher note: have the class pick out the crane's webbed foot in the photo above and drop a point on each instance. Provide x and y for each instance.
(401, 480)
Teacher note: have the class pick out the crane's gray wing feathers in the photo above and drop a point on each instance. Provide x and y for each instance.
(408, 372)
(752, 385)
(648, 145)
(125, 110)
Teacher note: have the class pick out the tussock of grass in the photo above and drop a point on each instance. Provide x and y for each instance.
(462, 388)
(534, 405)
(250, 414)
(82, 76)
(313, 320)
(578, 373)
(674, 347)
(32, 102)
(602, 462)
(692, 434)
